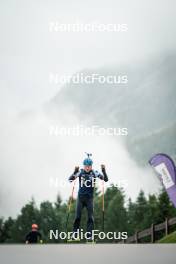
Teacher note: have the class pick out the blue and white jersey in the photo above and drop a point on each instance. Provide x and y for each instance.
(87, 181)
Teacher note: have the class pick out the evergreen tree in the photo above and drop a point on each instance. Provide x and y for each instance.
(117, 213)
(165, 207)
(140, 211)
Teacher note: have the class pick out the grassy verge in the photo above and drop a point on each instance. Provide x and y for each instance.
(171, 238)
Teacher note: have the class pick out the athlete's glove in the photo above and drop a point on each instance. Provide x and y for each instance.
(76, 170)
(103, 168)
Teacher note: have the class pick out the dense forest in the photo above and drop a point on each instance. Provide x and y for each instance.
(121, 215)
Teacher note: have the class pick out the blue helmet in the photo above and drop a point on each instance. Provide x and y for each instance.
(88, 161)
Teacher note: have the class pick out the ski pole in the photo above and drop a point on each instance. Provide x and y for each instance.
(103, 206)
(69, 205)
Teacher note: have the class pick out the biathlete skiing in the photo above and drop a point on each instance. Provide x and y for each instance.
(34, 236)
(87, 177)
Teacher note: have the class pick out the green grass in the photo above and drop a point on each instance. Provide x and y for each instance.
(171, 238)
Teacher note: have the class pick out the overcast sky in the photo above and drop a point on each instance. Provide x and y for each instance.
(29, 51)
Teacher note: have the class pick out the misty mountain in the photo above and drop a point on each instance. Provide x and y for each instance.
(145, 105)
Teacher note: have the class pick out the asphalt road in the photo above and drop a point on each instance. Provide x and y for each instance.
(88, 254)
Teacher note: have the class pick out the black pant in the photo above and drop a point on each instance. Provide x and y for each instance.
(84, 201)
